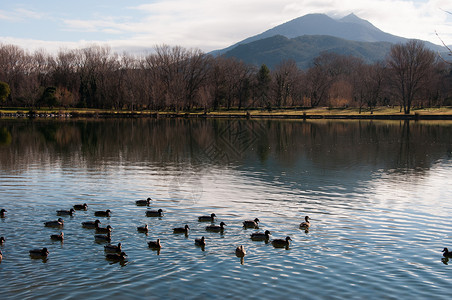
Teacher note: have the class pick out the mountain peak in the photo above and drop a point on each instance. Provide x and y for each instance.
(305, 37)
(354, 19)
(351, 18)
(350, 27)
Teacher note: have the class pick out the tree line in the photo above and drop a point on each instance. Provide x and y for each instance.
(180, 79)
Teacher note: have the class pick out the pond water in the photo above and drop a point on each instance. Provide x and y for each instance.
(379, 195)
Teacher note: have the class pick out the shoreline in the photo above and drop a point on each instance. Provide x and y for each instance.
(292, 114)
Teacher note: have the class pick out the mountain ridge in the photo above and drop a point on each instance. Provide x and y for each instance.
(303, 49)
(349, 28)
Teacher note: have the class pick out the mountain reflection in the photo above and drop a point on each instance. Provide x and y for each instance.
(199, 143)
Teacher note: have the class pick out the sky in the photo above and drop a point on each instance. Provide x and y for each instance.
(140, 25)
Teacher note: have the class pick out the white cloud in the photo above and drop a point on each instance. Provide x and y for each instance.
(21, 14)
(214, 24)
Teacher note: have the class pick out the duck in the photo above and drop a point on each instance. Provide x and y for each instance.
(155, 244)
(261, 236)
(446, 253)
(101, 213)
(251, 223)
(83, 206)
(104, 229)
(200, 242)
(116, 256)
(154, 213)
(66, 212)
(1, 256)
(280, 243)
(146, 202)
(306, 223)
(210, 218)
(57, 237)
(58, 223)
(2, 240)
(240, 251)
(143, 229)
(2, 212)
(113, 248)
(181, 229)
(91, 224)
(103, 238)
(39, 253)
(216, 228)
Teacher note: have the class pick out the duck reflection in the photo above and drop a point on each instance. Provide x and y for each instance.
(241, 252)
(58, 237)
(143, 229)
(116, 258)
(201, 243)
(261, 236)
(155, 245)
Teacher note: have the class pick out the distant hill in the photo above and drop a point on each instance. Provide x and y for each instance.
(304, 38)
(304, 49)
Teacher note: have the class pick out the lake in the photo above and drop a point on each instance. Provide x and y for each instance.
(378, 193)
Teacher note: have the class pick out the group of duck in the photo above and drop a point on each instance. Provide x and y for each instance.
(115, 252)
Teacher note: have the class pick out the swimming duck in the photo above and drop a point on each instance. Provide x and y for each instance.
(91, 224)
(66, 212)
(103, 238)
(306, 223)
(251, 223)
(58, 223)
(446, 253)
(261, 236)
(216, 228)
(116, 256)
(2, 240)
(154, 213)
(2, 212)
(280, 243)
(155, 244)
(39, 253)
(143, 229)
(101, 213)
(200, 242)
(57, 237)
(83, 206)
(146, 202)
(181, 229)
(104, 229)
(210, 218)
(240, 251)
(113, 248)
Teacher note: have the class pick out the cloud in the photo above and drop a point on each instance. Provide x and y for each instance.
(20, 15)
(215, 24)
(99, 25)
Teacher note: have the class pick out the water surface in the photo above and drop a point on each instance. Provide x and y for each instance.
(378, 193)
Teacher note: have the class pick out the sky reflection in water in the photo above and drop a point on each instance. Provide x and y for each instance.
(377, 193)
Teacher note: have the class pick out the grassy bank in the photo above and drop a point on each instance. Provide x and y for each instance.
(308, 113)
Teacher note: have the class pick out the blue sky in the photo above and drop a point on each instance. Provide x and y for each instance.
(205, 24)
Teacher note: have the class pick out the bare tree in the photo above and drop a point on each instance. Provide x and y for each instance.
(411, 65)
(368, 85)
(286, 76)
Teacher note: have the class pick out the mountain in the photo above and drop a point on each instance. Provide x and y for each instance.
(348, 35)
(273, 50)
